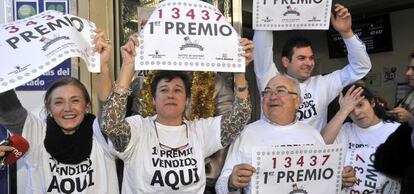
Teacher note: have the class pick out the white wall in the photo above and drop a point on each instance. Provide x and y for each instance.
(2, 13)
(402, 39)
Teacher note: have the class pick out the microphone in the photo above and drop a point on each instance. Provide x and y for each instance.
(20, 146)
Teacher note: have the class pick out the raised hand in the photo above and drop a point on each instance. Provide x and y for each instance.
(128, 50)
(352, 97)
(341, 20)
(248, 50)
(103, 47)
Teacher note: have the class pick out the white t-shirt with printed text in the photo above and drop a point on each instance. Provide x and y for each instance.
(316, 91)
(151, 168)
(263, 133)
(95, 175)
(360, 145)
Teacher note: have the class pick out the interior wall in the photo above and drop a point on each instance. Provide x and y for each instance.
(101, 13)
(402, 39)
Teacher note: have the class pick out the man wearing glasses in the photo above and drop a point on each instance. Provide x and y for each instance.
(281, 99)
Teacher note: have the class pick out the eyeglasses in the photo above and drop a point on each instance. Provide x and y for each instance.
(166, 147)
(281, 91)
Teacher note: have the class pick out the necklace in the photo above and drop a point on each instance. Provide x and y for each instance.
(166, 147)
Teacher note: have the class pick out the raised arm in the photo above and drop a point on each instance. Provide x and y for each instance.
(359, 62)
(234, 121)
(12, 113)
(264, 67)
(103, 47)
(114, 109)
(347, 104)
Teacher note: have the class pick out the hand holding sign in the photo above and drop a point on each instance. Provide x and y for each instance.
(128, 51)
(103, 47)
(342, 21)
(348, 176)
(241, 176)
(248, 50)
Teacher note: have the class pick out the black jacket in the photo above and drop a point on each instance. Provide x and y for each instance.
(395, 158)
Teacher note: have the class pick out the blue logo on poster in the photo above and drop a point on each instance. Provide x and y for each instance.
(25, 9)
(45, 80)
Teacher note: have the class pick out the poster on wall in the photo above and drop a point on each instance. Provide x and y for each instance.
(25, 8)
(64, 69)
(57, 5)
(44, 81)
(375, 32)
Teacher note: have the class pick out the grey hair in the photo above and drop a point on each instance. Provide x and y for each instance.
(295, 84)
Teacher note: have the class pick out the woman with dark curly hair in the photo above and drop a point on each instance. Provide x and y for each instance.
(369, 128)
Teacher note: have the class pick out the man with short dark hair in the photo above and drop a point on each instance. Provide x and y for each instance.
(298, 60)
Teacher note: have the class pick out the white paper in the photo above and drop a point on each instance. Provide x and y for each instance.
(291, 14)
(369, 180)
(189, 35)
(297, 169)
(34, 45)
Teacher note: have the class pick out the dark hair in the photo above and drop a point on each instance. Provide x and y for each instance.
(294, 42)
(378, 109)
(63, 82)
(412, 53)
(170, 75)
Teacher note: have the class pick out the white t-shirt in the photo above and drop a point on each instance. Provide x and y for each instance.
(356, 137)
(360, 145)
(262, 133)
(150, 168)
(317, 91)
(95, 175)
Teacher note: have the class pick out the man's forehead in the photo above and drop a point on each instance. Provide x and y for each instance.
(303, 50)
(279, 81)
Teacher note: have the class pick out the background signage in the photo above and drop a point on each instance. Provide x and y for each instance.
(375, 32)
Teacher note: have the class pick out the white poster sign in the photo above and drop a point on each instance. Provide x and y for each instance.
(291, 14)
(33, 46)
(369, 180)
(297, 169)
(189, 35)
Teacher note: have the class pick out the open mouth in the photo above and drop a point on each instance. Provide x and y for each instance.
(69, 116)
(274, 105)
